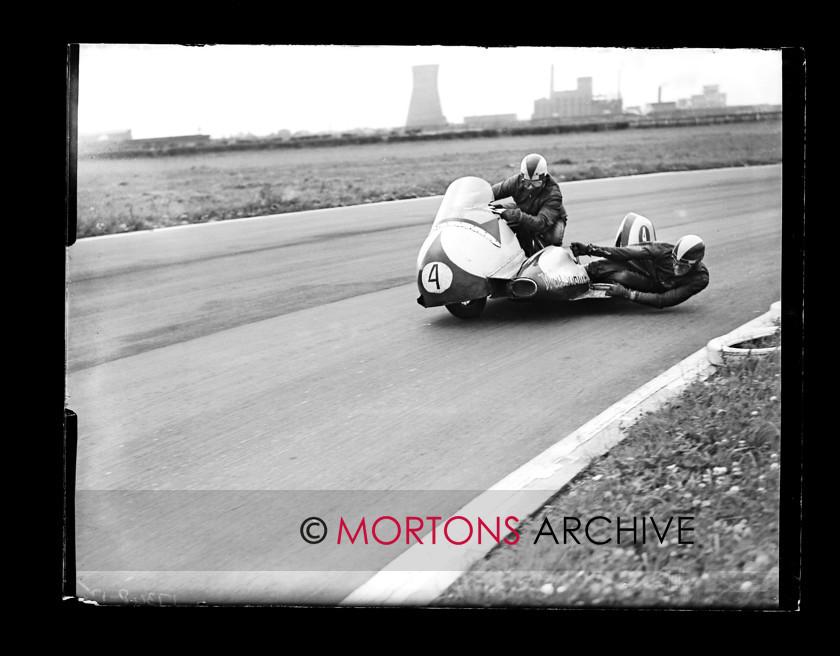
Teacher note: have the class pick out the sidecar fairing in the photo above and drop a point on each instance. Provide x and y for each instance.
(467, 247)
(634, 229)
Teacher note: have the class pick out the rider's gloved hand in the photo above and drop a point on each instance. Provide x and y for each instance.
(619, 291)
(512, 217)
(579, 249)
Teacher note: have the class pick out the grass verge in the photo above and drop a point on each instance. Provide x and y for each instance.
(712, 454)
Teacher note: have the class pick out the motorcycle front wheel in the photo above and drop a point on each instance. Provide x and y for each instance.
(468, 309)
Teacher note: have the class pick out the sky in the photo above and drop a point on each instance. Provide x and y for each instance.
(158, 90)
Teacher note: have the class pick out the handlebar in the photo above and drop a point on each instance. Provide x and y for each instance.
(497, 207)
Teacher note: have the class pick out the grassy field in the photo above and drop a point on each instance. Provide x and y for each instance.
(712, 454)
(123, 195)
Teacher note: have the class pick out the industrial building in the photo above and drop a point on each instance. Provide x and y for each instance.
(711, 98)
(116, 142)
(490, 120)
(574, 103)
(114, 135)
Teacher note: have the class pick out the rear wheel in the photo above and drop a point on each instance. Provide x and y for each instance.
(468, 309)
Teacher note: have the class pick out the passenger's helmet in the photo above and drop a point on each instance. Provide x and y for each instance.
(689, 250)
(534, 168)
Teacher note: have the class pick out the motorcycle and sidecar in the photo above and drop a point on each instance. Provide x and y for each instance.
(471, 255)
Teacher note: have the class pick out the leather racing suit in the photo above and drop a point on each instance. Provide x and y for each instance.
(647, 269)
(543, 220)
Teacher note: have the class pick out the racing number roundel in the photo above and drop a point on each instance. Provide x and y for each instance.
(436, 277)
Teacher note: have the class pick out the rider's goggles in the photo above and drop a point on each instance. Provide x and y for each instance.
(532, 183)
(683, 262)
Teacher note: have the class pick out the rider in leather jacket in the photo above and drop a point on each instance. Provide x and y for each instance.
(539, 218)
(653, 273)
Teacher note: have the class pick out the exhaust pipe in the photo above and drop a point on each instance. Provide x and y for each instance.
(522, 287)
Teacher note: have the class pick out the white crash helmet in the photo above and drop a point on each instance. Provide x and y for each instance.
(689, 250)
(534, 167)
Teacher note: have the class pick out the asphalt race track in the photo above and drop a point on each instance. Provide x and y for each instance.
(234, 379)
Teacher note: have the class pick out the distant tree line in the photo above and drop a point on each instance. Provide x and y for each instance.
(178, 145)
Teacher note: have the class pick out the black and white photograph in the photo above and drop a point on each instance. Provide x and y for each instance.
(433, 326)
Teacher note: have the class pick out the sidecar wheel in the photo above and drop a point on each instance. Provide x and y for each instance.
(469, 309)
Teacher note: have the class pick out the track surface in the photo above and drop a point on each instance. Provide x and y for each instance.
(233, 379)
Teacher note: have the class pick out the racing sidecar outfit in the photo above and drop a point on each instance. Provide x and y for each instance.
(543, 217)
(647, 270)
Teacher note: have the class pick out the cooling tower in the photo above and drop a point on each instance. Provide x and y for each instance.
(424, 110)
